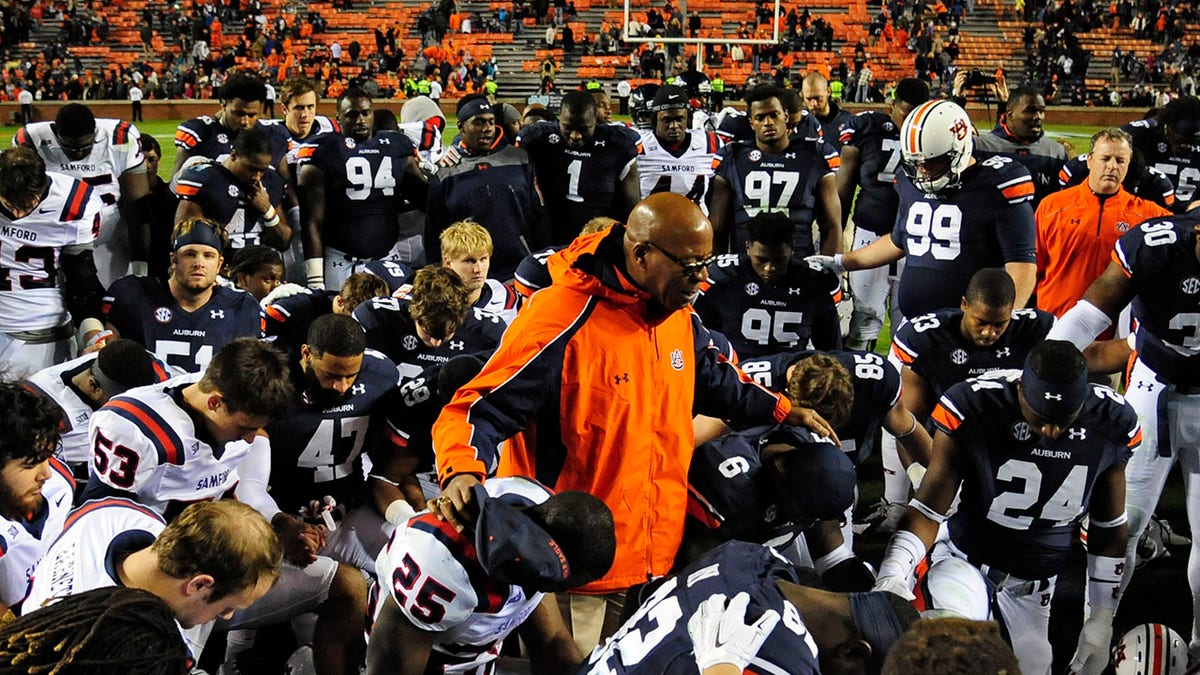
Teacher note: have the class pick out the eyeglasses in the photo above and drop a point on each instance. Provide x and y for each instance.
(690, 269)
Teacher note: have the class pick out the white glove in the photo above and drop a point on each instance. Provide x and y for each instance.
(826, 263)
(281, 291)
(1095, 638)
(720, 634)
(894, 585)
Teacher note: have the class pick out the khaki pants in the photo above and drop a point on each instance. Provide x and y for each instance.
(592, 619)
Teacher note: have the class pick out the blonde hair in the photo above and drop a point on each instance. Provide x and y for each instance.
(464, 238)
(597, 224)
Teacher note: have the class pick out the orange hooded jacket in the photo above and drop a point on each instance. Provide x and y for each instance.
(594, 387)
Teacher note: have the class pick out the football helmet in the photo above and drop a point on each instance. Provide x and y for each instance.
(641, 105)
(1150, 649)
(936, 145)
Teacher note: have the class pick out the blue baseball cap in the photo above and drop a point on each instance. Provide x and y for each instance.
(513, 548)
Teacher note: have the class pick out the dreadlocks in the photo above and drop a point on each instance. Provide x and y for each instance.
(107, 631)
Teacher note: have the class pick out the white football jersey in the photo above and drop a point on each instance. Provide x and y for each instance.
(82, 558)
(451, 596)
(54, 383)
(499, 300)
(427, 137)
(116, 150)
(690, 174)
(30, 296)
(24, 542)
(145, 443)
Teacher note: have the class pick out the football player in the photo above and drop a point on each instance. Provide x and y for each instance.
(467, 249)
(48, 222)
(434, 323)
(942, 247)
(339, 415)
(936, 351)
(673, 157)
(186, 319)
(775, 172)
(214, 559)
(362, 179)
(241, 99)
(584, 169)
(1032, 452)
(107, 155)
(288, 317)
(258, 270)
(242, 192)
(815, 631)
(80, 386)
(1156, 266)
(445, 598)
(870, 157)
(1019, 135)
(1168, 145)
(36, 490)
(832, 117)
(763, 302)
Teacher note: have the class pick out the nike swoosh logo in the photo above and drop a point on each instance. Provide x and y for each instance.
(45, 210)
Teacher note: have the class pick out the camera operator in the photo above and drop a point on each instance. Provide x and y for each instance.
(1018, 132)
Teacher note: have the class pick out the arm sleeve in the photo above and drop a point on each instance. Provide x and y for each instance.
(725, 392)
(1017, 233)
(517, 380)
(254, 475)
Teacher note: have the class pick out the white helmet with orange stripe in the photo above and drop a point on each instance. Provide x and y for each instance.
(936, 144)
(1150, 649)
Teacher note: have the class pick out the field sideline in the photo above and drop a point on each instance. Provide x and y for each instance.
(164, 131)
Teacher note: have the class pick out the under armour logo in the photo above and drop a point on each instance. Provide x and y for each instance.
(1077, 434)
(1053, 397)
(789, 155)
(795, 291)
(358, 389)
(385, 141)
(1003, 353)
(216, 313)
(599, 144)
(1142, 384)
(457, 345)
(618, 379)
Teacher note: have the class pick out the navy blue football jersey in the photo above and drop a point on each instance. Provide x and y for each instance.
(784, 182)
(578, 185)
(362, 195)
(1023, 495)
(933, 346)
(204, 136)
(728, 492)
(735, 126)
(395, 273)
(1160, 258)
(287, 319)
(878, 142)
(1181, 165)
(876, 389)
(223, 198)
(1153, 185)
(391, 330)
(532, 275)
(143, 309)
(833, 125)
(317, 447)
(655, 640)
(761, 318)
(986, 222)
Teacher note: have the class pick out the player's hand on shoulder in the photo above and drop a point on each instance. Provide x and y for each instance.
(723, 634)
(811, 419)
(826, 263)
(280, 292)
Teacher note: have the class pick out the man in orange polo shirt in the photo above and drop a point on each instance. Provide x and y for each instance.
(1077, 227)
